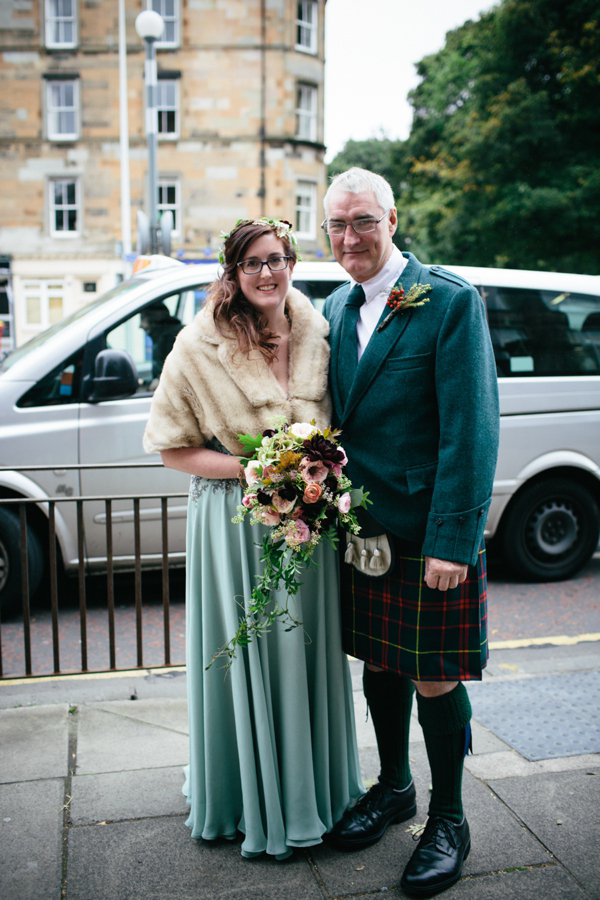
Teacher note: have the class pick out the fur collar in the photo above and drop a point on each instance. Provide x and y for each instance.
(252, 375)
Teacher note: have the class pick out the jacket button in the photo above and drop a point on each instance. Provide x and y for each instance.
(461, 519)
(439, 521)
(482, 512)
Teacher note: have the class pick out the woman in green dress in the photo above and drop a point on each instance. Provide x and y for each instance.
(272, 743)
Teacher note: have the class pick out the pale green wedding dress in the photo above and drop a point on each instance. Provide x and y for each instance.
(273, 749)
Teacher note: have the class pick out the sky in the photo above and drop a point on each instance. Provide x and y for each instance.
(370, 50)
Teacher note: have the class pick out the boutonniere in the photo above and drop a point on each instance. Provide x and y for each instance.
(399, 301)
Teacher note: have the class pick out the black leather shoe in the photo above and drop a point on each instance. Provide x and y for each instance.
(366, 822)
(437, 862)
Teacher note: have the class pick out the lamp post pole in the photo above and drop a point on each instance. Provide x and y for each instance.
(150, 26)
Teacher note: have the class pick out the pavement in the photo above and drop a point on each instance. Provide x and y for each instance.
(91, 805)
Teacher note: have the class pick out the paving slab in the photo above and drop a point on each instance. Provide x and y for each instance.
(563, 720)
(31, 840)
(109, 742)
(548, 881)
(499, 841)
(127, 795)
(34, 743)
(156, 859)
(563, 810)
(168, 713)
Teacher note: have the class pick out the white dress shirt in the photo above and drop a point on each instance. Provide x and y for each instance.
(377, 290)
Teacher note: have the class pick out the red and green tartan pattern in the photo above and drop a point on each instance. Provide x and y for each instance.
(397, 623)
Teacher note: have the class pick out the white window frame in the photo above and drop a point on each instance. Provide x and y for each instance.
(306, 111)
(307, 26)
(166, 182)
(53, 208)
(45, 288)
(52, 15)
(55, 111)
(306, 206)
(174, 20)
(164, 107)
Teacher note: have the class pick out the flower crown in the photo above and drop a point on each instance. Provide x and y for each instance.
(281, 227)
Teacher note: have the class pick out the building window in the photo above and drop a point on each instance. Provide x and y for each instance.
(43, 302)
(306, 209)
(169, 198)
(307, 21)
(61, 23)
(62, 101)
(167, 108)
(306, 112)
(64, 208)
(169, 10)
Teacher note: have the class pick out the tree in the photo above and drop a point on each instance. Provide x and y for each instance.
(502, 163)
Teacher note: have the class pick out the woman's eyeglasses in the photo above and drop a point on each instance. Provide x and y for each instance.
(254, 266)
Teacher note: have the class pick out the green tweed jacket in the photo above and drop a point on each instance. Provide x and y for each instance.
(420, 424)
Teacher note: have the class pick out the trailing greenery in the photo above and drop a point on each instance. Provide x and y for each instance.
(502, 165)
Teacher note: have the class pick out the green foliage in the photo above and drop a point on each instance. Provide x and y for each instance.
(502, 164)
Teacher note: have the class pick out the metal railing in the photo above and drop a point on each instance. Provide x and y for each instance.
(48, 505)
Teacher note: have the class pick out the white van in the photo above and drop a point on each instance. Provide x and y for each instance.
(79, 394)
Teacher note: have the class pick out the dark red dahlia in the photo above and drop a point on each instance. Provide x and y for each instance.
(318, 448)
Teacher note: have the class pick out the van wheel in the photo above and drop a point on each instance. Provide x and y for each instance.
(551, 530)
(10, 563)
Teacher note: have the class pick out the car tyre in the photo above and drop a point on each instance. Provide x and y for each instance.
(551, 530)
(10, 563)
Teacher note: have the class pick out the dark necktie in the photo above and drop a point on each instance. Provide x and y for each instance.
(347, 360)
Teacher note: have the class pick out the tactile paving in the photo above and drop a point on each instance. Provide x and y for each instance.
(542, 718)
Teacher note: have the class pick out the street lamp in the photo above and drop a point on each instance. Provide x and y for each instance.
(150, 26)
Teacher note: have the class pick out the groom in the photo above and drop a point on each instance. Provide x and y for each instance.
(414, 391)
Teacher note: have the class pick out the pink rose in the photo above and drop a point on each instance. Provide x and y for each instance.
(269, 516)
(313, 470)
(312, 492)
(345, 502)
(345, 459)
(302, 430)
(281, 504)
(247, 499)
(302, 531)
(250, 471)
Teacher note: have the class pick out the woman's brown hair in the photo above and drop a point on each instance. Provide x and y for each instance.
(234, 316)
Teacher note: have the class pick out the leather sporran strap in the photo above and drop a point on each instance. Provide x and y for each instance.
(373, 556)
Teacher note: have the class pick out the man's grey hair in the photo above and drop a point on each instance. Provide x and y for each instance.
(356, 180)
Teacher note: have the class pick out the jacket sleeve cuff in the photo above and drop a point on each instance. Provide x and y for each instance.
(456, 537)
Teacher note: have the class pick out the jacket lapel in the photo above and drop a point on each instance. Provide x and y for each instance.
(381, 344)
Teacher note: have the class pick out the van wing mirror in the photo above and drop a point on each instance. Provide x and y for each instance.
(115, 376)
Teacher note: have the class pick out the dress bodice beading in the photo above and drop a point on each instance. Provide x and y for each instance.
(198, 484)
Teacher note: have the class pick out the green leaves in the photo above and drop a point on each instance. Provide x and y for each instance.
(250, 443)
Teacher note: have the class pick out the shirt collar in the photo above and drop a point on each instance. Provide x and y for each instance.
(386, 278)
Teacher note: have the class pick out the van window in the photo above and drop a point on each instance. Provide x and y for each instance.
(317, 291)
(62, 385)
(149, 335)
(537, 332)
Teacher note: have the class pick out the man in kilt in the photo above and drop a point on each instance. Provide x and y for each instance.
(414, 391)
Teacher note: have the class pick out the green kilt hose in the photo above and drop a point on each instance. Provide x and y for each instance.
(399, 624)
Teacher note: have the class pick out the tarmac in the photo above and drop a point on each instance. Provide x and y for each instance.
(91, 805)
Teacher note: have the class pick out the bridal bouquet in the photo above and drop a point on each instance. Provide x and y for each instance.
(295, 484)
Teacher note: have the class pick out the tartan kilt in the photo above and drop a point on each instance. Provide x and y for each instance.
(397, 623)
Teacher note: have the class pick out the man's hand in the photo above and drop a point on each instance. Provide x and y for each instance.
(443, 574)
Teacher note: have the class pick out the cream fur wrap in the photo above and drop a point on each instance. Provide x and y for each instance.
(208, 388)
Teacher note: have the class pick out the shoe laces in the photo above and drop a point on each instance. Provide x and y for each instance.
(371, 797)
(435, 830)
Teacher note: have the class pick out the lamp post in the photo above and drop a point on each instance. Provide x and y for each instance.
(150, 26)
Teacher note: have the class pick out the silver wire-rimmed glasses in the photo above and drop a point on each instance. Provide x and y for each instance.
(361, 226)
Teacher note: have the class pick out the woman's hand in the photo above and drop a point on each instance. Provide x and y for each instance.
(202, 461)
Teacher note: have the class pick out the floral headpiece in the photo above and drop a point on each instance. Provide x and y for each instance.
(281, 227)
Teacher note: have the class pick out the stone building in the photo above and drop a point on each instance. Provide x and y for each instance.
(240, 128)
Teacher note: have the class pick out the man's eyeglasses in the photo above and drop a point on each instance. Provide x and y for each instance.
(254, 266)
(360, 226)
